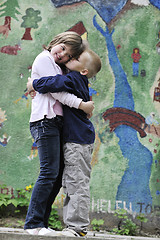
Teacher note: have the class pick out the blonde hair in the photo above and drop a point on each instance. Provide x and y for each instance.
(71, 39)
(93, 63)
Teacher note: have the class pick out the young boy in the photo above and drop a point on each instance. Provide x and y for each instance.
(79, 136)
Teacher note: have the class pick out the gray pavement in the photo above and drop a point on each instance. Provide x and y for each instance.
(20, 234)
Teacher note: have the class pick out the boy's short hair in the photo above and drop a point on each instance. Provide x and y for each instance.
(71, 39)
(93, 64)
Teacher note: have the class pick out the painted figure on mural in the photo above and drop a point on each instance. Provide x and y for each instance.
(150, 120)
(156, 96)
(24, 96)
(136, 57)
(4, 140)
(34, 150)
(151, 124)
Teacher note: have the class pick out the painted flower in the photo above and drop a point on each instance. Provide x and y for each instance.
(28, 187)
(118, 46)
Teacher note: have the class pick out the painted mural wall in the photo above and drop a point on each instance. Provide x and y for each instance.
(126, 36)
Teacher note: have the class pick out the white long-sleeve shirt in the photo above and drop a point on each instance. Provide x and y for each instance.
(46, 104)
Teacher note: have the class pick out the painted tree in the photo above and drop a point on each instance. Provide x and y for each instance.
(9, 10)
(30, 20)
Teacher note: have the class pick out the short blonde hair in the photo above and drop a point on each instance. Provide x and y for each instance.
(93, 65)
(71, 39)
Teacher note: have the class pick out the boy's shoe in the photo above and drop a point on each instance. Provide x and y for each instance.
(71, 233)
(82, 233)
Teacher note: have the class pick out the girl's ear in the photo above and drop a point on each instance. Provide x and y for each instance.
(84, 72)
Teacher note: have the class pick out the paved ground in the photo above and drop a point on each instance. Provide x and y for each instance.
(20, 234)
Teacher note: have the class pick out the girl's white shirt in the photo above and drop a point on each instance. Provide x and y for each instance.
(48, 104)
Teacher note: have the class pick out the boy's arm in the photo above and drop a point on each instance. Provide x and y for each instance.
(58, 83)
(65, 98)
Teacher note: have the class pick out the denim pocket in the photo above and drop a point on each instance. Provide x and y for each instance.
(48, 128)
(44, 128)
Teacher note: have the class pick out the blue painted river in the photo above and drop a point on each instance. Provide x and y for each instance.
(134, 187)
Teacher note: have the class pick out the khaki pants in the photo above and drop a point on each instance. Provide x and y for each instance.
(76, 178)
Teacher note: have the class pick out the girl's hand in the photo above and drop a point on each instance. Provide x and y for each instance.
(30, 88)
(30, 85)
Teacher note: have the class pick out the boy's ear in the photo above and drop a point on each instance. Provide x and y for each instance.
(84, 72)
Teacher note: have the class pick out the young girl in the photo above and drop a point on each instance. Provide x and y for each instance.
(46, 123)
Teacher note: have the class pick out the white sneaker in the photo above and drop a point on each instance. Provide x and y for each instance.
(33, 231)
(49, 232)
(43, 231)
(52, 230)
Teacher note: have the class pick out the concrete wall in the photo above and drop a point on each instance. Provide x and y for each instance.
(126, 162)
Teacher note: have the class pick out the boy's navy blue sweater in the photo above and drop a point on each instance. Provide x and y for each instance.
(77, 127)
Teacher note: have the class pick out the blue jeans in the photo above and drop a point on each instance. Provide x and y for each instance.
(135, 69)
(47, 134)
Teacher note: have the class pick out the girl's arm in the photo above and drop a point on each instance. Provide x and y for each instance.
(72, 101)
